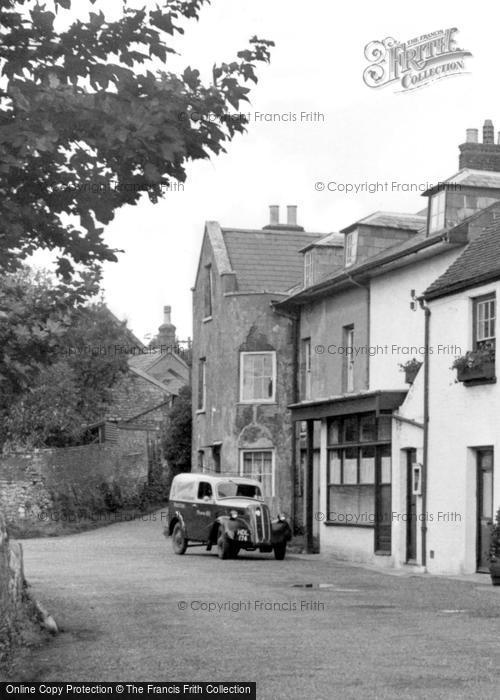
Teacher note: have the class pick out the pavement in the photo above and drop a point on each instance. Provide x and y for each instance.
(307, 627)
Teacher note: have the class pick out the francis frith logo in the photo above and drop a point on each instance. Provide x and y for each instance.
(414, 63)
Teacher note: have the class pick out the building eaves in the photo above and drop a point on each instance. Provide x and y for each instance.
(363, 270)
(385, 219)
(150, 379)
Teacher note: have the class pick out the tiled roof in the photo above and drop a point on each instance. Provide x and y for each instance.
(410, 222)
(479, 261)
(266, 260)
(144, 362)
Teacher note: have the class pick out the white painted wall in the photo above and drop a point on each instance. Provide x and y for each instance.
(461, 418)
(393, 324)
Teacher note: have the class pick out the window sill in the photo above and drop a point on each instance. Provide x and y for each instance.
(332, 523)
(200, 411)
(382, 553)
(258, 402)
(206, 319)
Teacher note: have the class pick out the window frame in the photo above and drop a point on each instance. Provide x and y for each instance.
(243, 355)
(349, 358)
(477, 302)
(306, 383)
(440, 214)
(378, 445)
(202, 381)
(351, 247)
(251, 450)
(308, 268)
(208, 301)
(201, 461)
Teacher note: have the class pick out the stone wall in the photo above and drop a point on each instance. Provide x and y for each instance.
(82, 480)
(16, 610)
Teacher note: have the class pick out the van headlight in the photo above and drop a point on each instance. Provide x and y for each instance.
(281, 517)
(233, 514)
(258, 512)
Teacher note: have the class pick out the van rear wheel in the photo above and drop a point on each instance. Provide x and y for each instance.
(179, 540)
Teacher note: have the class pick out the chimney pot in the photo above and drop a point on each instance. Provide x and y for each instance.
(274, 214)
(472, 135)
(488, 132)
(291, 213)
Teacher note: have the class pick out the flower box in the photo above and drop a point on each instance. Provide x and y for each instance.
(476, 366)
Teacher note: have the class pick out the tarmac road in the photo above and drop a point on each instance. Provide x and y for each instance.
(306, 627)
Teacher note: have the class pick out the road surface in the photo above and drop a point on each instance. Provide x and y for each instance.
(306, 627)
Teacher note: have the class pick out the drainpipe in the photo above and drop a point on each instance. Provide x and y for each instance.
(425, 459)
(366, 287)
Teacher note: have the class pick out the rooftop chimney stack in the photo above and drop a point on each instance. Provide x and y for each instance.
(274, 215)
(274, 220)
(488, 132)
(291, 213)
(480, 156)
(166, 332)
(472, 135)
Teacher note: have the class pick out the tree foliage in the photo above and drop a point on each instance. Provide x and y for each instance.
(88, 120)
(58, 362)
(177, 437)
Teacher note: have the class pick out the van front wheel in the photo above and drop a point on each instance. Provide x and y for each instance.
(280, 551)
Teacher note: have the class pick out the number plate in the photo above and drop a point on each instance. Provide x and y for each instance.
(242, 535)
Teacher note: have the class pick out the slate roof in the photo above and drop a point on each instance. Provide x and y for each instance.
(405, 248)
(266, 260)
(479, 262)
(330, 240)
(476, 178)
(149, 378)
(387, 219)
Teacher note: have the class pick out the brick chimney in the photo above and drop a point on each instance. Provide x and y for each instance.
(166, 332)
(274, 219)
(480, 156)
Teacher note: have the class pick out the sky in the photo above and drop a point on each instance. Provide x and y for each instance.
(367, 136)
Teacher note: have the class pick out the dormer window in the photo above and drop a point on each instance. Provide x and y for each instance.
(437, 212)
(308, 268)
(351, 247)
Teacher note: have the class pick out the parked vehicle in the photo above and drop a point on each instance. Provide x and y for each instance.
(495, 551)
(226, 512)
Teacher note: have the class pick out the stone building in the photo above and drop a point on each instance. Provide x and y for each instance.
(243, 353)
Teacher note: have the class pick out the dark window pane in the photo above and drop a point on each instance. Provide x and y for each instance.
(368, 429)
(351, 432)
